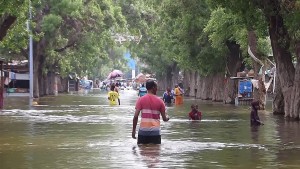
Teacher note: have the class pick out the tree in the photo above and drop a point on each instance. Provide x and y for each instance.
(250, 30)
(69, 36)
(284, 40)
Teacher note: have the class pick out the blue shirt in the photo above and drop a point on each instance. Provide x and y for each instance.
(142, 91)
(167, 97)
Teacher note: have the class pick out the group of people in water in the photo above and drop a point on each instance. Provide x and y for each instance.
(175, 95)
(152, 108)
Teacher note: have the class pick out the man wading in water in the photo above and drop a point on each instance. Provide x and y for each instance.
(254, 118)
(151, 107)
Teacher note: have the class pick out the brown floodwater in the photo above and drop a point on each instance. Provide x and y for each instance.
(83, 131)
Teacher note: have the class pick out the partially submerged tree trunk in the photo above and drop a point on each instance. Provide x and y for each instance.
(186, 82)
(62, 84)
(278, 100)
(218, 87)
(209, 87)
(36, 67)
(169, 78)
(205, 84)
(193, 87)
(296, 87)
(234, 62)
(285, 70)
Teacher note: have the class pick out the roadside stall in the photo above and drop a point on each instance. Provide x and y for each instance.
(244, 90)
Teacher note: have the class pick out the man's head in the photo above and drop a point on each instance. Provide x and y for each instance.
(255, 105)
(168, 89)
(112, 87)
(151, 86)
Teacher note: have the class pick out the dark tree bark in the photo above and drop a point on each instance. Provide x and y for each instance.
(187, 82)
(285, 68)
(296, 87)
(36, 65)
(278, 101)
(234, 62)
(169, 78)
(6, 24)
(280, 41)
(192, 83)
(218, 87)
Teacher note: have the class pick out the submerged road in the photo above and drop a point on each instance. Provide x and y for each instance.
(83, 131)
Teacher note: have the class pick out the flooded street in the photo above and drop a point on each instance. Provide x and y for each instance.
(83, 131)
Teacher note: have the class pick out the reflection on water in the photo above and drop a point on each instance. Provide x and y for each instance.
(83, 131)
(149, 154)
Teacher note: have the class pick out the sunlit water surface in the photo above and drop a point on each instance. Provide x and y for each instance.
(83, 131)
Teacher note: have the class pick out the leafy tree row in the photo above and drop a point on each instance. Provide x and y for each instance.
(69, 36)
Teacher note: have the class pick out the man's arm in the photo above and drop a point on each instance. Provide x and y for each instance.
(134, 122)
(164, 116)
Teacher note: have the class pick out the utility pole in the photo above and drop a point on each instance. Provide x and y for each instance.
(30, 56)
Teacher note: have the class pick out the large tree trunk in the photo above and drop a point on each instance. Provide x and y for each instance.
(260, 93)
(169, 78)
(62, 85)
(42, 85)
(193, 87)
(46, 84)
(296, 87)
(284, 66)
(186, 82)
(218, 87)
(36, 68)
(234, 62)
(205, 87)
(278, 101)
(52, 83)
(209, 87)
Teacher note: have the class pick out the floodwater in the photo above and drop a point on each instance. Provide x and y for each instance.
(82, 131)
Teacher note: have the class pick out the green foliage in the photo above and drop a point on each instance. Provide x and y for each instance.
(75, 35)
(14, 41)
(229, 23)
(173, 34)
(51, 23)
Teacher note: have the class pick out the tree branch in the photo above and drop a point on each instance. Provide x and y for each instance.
(65, 47)
(6, 24)
(253, 57)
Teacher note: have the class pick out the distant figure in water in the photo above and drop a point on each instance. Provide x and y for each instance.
(178, 95)
(195, 114)
(142, 91)
(167, 96)
(255, 121)
(117, 90)
(113, 96)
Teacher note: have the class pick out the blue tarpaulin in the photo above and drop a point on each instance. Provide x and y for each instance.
(245, 88)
